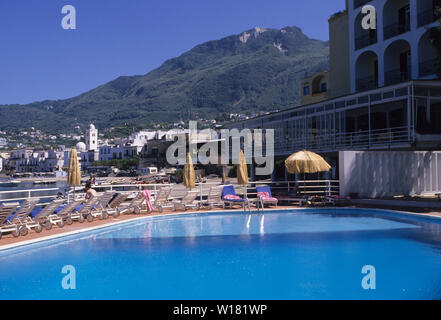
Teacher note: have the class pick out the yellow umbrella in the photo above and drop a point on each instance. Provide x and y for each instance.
(189, 179)
(242, 171)
(242, 174)
(74, 172)
(306, 162)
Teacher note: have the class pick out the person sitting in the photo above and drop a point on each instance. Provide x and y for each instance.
(90, 192)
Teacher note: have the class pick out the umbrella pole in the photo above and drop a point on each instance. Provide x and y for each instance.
(304, 184)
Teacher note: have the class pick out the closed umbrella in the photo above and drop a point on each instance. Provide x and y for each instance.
(306, 162)
(189, 178)
(74, 172)
(242, 172)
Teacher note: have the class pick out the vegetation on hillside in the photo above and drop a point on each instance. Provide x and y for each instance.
(209, 82)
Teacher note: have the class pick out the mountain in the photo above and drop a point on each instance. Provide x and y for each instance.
(257, 70)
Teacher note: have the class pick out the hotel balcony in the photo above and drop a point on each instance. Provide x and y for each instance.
(361, 140)
(395, 29)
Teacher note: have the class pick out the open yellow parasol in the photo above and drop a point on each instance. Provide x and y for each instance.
(306, 162)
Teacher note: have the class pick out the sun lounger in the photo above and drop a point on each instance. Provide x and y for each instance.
(99, 209)
(114, 207)
(214, 197)
(162, 199)
(265, 196)
(338, 200)
(188, 201)
(317, 201)
(44, 216)
(135, 206)
(6, 209)
(65, 214)
(22, 218)
(230, 198)
(85, 210)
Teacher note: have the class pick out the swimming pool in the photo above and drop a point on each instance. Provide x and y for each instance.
(298, 254)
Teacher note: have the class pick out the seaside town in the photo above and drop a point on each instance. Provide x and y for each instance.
(19, 160)
(345, 177)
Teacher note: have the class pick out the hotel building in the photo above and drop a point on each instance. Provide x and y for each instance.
(381, 109)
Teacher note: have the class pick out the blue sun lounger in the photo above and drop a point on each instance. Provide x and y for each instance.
(229, 197)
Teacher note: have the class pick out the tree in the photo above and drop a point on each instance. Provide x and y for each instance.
(435, 39)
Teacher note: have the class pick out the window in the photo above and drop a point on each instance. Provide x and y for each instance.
(324, 87)
(306, 91)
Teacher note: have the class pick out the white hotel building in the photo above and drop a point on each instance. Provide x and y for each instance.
(379, 124)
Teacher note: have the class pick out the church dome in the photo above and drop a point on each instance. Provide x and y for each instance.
(81, 147)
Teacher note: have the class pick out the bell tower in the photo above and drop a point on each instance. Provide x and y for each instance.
(92, 138)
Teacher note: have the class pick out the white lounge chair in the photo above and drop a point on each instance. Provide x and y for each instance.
(114, 207)
(135, 206)
(188, 201)
(162, 199)
(6, 209)
(22, 218)
(44, 216)
(214, 197)
(65, 214)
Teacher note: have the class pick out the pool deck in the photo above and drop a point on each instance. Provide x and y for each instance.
(8, 241)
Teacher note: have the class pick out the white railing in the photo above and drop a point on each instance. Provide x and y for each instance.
(29, 194)
(307, 187)
(348, 140)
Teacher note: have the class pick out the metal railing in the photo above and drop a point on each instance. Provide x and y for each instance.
(348, 140)
(395, 29)
(396, 76)
(367, 83)
(307, 187)
(28, 194)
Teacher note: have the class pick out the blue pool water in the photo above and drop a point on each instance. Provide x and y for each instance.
(305, 254)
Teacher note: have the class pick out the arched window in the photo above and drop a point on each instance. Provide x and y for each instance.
(397, 62)
(366, 71)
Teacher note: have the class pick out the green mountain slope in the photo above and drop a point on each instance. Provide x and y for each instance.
(258, 70)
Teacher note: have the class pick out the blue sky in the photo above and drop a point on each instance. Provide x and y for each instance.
(39, 60)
